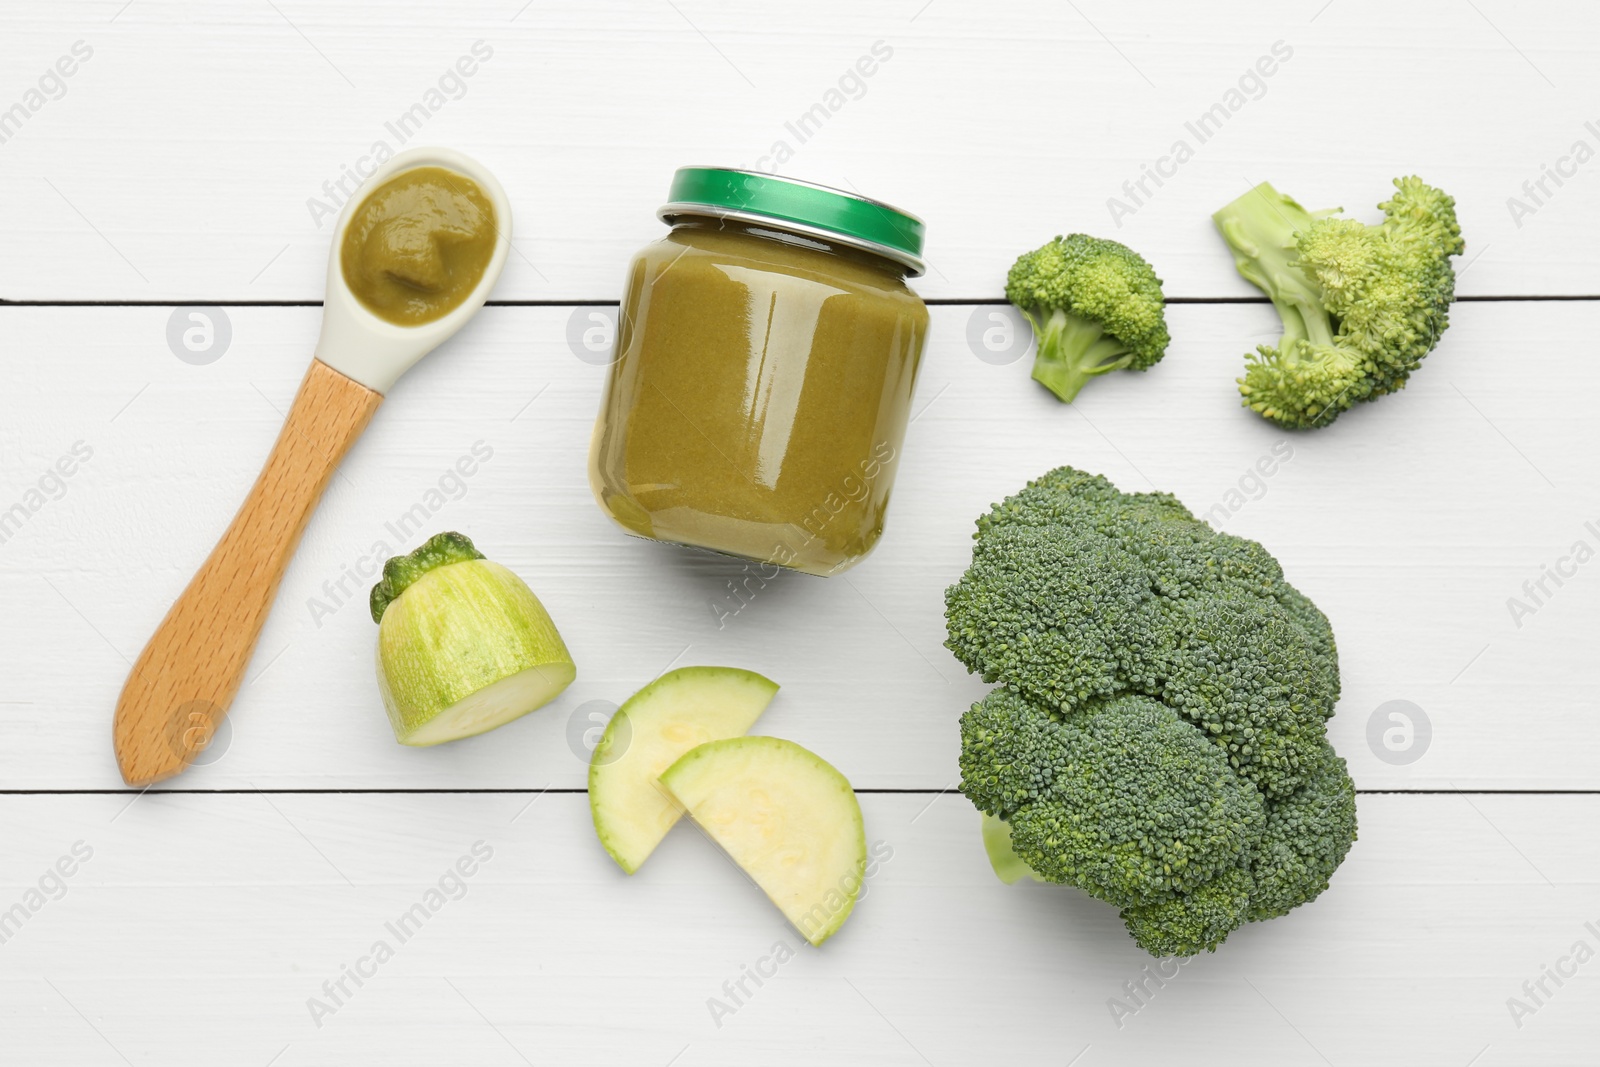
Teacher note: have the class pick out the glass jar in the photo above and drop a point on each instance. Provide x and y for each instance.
(767, 348)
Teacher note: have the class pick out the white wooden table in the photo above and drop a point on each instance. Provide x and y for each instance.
(183, 163)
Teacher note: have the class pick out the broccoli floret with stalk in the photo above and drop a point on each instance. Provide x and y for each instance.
(1095, 305)
(1361, 305)
(1158, 738)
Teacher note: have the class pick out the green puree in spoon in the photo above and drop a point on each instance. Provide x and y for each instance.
(418, 245)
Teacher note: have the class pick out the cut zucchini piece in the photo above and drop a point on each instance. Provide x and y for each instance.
(463, 644)
(786, 817)
(658, 724)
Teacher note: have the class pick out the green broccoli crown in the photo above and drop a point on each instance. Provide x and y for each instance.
(1078, 591)
(1361, 305)
(1095, 305)
(399, 572)
(1159, 735)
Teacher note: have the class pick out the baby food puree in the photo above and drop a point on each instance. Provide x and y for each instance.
(418, 245)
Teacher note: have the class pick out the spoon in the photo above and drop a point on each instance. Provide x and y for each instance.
(182, 683)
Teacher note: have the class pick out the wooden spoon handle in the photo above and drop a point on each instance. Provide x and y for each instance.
(184, 680)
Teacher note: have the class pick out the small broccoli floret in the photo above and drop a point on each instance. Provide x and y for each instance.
(1307, 836)
(1159, 735)
(1052, 617)
(1122, 799)
(1010, 753)
(1096, 306)
(1361, 305)
(1251, 680)
(1196, 922)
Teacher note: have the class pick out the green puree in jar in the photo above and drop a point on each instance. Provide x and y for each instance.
(418, 245)
(760, 394)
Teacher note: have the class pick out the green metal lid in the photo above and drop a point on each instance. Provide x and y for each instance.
(802, 207)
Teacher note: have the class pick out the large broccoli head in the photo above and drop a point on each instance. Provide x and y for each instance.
(1095, 305)
(1158, 738)
(1361, 305)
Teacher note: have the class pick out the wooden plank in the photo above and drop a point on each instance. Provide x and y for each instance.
(200, 928)
(1411, 522)
(183, 159)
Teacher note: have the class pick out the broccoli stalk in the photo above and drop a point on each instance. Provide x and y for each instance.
(1260, 227)
(1095, 306)
(1008, 866)
(1073, 349)
(1361, 305)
